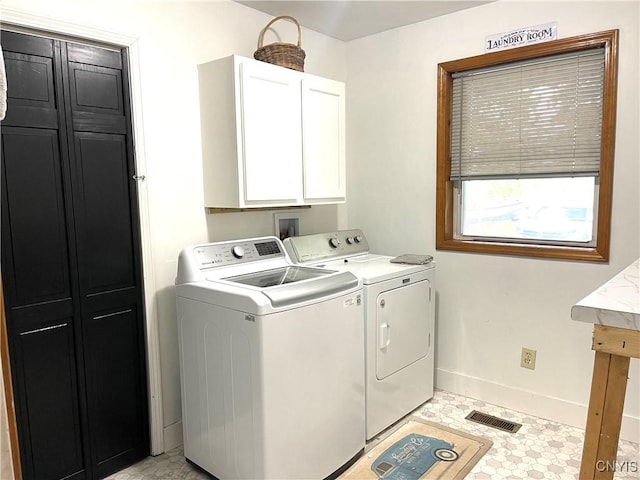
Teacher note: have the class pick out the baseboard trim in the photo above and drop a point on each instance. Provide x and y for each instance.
(532, 403)
(173, 436)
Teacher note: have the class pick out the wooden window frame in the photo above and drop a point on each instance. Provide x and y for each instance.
(445, 227)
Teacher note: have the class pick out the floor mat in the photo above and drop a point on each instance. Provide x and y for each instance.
(419, 449)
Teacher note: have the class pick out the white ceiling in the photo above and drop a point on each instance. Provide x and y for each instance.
(350, 19)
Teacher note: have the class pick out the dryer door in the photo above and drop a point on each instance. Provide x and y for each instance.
(402, 322)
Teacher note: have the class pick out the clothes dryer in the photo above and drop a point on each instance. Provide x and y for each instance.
(399, 321)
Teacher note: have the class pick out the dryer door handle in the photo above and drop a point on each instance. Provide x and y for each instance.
(385, 335)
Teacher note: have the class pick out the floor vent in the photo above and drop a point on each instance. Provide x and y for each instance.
(495, 422)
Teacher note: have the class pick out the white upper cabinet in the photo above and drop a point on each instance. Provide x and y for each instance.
(270, 136)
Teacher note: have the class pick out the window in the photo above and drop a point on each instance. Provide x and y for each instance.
(525, 150)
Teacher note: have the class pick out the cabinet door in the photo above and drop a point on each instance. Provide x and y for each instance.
(323, 139)
(271, 123)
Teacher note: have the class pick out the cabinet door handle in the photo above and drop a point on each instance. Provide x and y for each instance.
(44, 329)
(121, 312)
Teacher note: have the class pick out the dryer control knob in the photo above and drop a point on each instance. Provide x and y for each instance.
(237, 251)
(350, 240)
(334, 242)
(358, 238)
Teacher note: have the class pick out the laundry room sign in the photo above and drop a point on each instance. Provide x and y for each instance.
(521, 37)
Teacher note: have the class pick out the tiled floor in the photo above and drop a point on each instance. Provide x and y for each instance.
(541, 449)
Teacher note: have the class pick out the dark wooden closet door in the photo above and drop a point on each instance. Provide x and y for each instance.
(71, 260)
(37, 261)
(106, 217)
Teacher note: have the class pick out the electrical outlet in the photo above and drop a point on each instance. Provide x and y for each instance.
(528, 358)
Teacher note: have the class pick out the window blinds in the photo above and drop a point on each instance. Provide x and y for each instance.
(534, 118)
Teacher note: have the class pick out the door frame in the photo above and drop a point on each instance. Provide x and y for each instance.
(7, 392)
(25, 22)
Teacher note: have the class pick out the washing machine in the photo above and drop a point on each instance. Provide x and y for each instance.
(399, 321)
(271, 362)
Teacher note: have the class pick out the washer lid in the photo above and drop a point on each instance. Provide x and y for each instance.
(290, 285)
(278, 276)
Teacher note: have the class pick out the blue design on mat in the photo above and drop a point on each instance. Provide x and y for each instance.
(410, 457)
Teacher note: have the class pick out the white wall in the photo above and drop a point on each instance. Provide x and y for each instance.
(488, 306)
(173, 38)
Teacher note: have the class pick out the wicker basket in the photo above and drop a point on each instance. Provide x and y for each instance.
(284, 54)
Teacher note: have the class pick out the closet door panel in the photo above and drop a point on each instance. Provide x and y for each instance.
(96, 88)
(96, 99)
(36, 224)
(103, 216)
(27, 44)
(30, 76)
(48, 384)
(114, 385)
(89, 55)
(96, 93)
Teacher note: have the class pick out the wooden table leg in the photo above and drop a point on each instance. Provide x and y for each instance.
(604, 417)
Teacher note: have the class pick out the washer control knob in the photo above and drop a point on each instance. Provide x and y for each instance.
(350, 240)
(358, 238)
(334, 242)
(237, 251)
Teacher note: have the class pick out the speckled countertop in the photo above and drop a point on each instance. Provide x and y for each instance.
(614, 304)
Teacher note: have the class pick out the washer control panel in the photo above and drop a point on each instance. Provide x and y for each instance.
(325, 246)
(239, 251)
